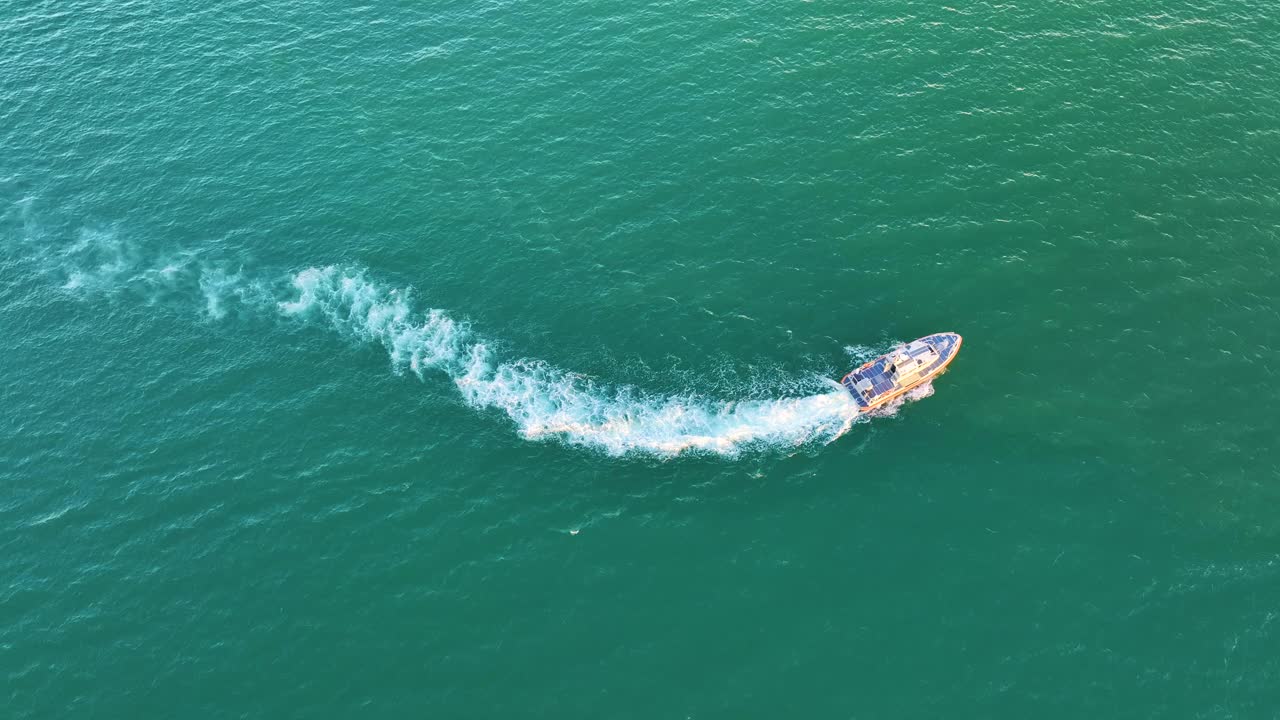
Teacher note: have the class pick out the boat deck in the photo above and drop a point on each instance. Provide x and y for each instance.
(882, 379)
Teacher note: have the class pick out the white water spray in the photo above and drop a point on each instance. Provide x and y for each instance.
(543, 401)
(546, 402)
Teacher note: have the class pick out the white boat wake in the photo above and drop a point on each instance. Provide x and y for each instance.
(547, 402)
(544, 402)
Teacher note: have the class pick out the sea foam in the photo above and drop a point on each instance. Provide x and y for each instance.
(543, 401)
(546, 402)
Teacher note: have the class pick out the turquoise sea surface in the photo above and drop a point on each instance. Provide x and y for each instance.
(476, 359)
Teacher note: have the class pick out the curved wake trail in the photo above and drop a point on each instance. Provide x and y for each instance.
(543, 401)
(547, 402)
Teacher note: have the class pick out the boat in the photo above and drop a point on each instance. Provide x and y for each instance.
(901, 370)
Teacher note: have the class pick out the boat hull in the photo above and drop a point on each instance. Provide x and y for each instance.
(902, 370)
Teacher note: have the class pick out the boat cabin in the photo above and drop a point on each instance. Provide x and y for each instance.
(895, 371)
